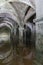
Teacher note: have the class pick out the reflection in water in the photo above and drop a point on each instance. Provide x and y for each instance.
(22, 55)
